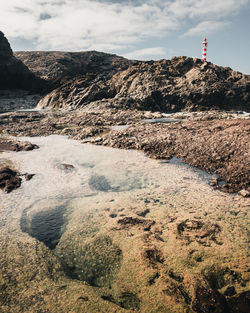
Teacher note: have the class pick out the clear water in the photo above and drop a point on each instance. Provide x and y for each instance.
(66, 170)
(63, 168)
(71, 209)
(160, 120)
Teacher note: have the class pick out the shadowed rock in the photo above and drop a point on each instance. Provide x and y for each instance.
(129, 221)
(13, 73)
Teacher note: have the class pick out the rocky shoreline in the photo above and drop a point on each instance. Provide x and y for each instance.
(212, 141)
(218, 146)
(110, 230)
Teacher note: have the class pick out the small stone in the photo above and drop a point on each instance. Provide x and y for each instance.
(244, 193)
(213, 182)
(28, 176)
(67, 166)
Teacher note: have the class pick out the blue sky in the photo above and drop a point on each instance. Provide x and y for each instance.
(150, 29)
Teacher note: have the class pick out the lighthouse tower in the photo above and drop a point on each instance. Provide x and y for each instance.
(204, 49)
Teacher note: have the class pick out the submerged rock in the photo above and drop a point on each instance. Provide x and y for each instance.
(66, 166)
(208, 300)
(97, 262)
(126, 300)
(46, 226)
(99, 182)
(196, 230)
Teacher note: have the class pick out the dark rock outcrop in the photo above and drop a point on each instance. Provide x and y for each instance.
(13, 73)
(14, 145)
(9, 179)
(181, 83)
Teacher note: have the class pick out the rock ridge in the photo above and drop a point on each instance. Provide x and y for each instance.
(181, 83)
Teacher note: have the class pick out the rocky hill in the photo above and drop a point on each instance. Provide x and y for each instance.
(181, 83)
(73, 80)
(13, 73)
(58, 67)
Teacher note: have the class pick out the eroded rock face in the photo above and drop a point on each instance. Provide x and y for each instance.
(13, 73)
(166, 86)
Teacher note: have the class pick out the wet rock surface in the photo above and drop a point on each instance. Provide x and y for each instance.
(206, 301)
(11, 180)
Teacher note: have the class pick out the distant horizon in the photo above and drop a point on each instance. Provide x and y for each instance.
(137, 30)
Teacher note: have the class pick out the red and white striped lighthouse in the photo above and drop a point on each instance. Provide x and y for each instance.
(204, 49)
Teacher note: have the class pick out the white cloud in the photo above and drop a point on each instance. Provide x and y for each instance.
(206, 27)
(106, 24)
(206, 9)
(146, 53)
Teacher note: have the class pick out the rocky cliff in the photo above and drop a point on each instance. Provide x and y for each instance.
(181, 83)
(13, 73)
